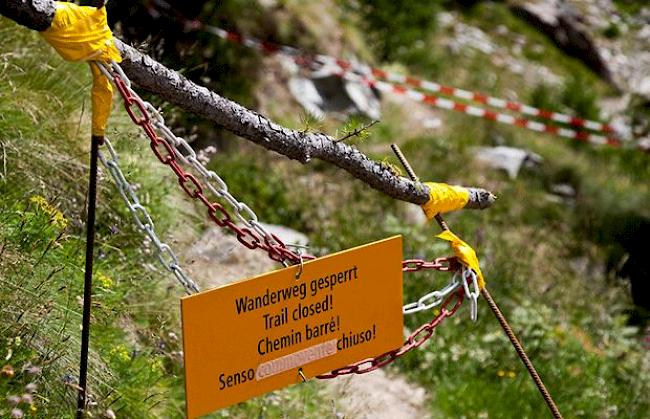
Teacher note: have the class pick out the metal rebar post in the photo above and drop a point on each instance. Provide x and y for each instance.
(495, 309)
(522, 354)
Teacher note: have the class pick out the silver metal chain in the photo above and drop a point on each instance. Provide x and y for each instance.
(432, 299)
(435, 298)
(187, 155)
(140, 215)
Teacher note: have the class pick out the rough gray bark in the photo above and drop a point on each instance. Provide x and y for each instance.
(35, 14)
(171, 86)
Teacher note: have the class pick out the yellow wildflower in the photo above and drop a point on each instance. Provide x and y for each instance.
(56, 217)
(39, 201)
(104, 281)
(157, 366)
(121, 353)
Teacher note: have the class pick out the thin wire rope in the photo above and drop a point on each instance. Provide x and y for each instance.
(522, 354)
(495, 309)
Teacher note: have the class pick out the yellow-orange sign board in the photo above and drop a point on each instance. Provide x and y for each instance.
(254, 336)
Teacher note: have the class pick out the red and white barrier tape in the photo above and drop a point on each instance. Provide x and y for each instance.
(481, 98)
(443, 103)
(396, 83)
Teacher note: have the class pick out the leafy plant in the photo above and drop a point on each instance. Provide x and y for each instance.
(395, 28)
(577, 96)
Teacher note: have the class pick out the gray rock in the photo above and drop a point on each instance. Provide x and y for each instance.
(564, 26)
(323, 91)
(563, 190)
(509, 159)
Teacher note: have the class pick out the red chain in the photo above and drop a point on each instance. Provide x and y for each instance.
(278, 251)
(137, 110)
(417, 338)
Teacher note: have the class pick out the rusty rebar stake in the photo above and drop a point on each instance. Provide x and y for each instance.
(522, 354)
(495, 309)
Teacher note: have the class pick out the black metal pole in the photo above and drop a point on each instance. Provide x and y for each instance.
(96, 141)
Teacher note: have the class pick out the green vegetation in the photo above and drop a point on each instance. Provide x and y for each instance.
(575, 96)
(550, 261)
(42, 256)
(135, 362)
(396, 29)
(631, 7)
(612, 31)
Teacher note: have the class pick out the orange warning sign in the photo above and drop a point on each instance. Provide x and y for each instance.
(254, 336)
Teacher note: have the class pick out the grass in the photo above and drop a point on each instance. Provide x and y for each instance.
(41, 219)
(135, 362)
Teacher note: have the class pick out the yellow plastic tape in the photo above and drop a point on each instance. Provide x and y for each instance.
(102, 100)
(444, 198)
(81, 33)
(464, 253)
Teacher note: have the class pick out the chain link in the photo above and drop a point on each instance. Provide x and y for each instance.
(416, 339)
(143, 220)
(452, 292)
(169, 149)
(444, 264)
(432, 299)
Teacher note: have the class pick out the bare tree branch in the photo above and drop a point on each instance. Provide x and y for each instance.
(176, 89)
(35, 14)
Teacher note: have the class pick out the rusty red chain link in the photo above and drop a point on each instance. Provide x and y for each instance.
(139, 114)
(415, 339)
(419, 336)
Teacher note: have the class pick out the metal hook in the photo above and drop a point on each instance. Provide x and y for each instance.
(469, 274)
(299, 248)
(299, 273)
(302, 375)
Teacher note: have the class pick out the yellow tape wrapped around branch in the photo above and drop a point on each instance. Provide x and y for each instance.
(464, 253)
(444, 198)
(81, 33)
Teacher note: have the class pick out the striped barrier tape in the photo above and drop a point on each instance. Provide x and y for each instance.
(443, 103)
(476, 97)
(388, 82)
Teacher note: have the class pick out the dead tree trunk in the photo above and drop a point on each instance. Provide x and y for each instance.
(174, 88)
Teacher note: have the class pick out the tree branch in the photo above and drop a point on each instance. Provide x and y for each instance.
(176, 89)
(35, 14)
